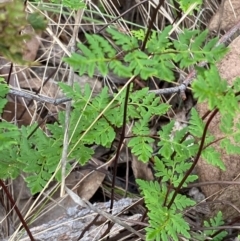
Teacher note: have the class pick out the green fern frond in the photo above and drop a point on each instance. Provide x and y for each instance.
(196, 124)
(159, 41)
(215, 222)
(210, 87)
(141, 147)
(191, 46)
(164, 222)
(38, 156)
(213, 157)
(172, 171)
(139, 34)
(127, 43)
(3, 92)
(230, 147)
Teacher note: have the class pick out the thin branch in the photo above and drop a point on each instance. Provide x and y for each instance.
(14, 206)
(40, 98)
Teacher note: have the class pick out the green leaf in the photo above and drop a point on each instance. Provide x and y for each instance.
(185, 4)
(164, 223)
(211, 156)
(159, 41)
(196, 124)
(181, 202)
(215, 222)
(141, 147)
(126, 42)
(101, 133)
(210, 87)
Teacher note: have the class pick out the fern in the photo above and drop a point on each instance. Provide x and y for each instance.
(164, 222)
(142, 103)
(141, 144)
(196, 125)
(39, 154)
(190, 45)
(158, 60)
(210, 87)
(213, 222)
(127, 43)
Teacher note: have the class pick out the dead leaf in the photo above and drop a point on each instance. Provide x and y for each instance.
(227, 15)
(13, 111)
(90, 180)
(32, 45)
(141, 170)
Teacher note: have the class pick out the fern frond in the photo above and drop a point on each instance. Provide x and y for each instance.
(141, 147)
(213, 157)
(230, 147)
(196, 124)
(159, 41)
(191, 46)
(164, 223)
(210, 87)
(10, 166)
(3, 92)
(101, 134)
(39, 158)
(215, 222)
(127, 43)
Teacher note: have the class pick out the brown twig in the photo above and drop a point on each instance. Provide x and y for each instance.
(14, 206)
(214, 112)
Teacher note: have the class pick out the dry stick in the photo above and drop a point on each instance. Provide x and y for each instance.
(33, 96)
(72, 44)
(38, 91)
(200, 184)
(85, 203)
